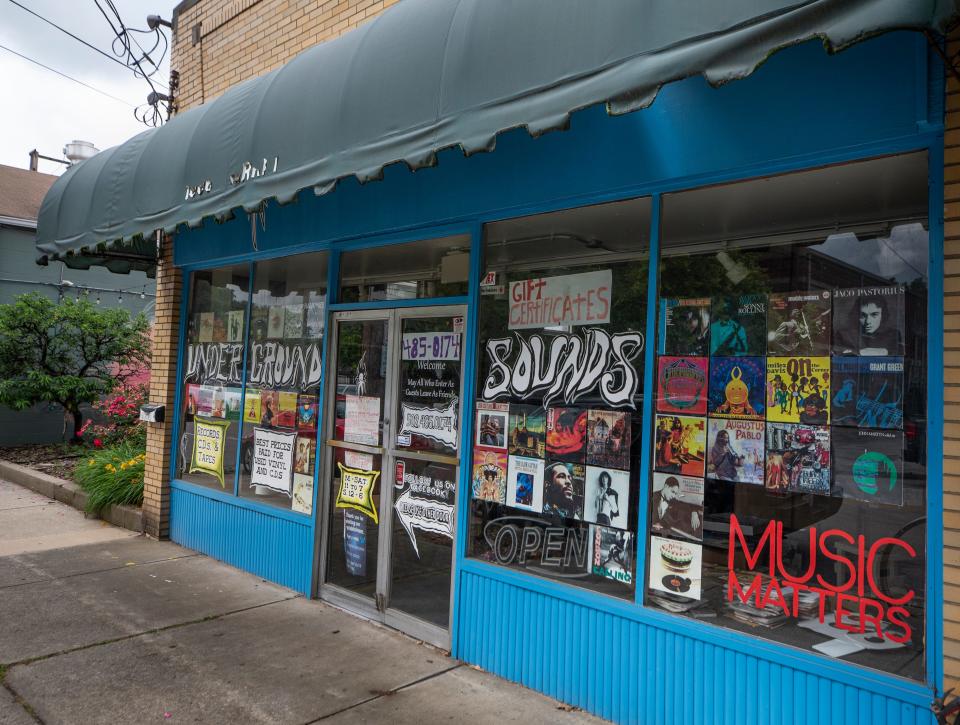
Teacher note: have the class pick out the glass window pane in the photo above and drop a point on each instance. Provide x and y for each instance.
(278, 454)
(788, 490)
(213, 377)
(428, 268)
(558, 417)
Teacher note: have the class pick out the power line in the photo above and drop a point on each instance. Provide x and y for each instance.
(75, 37)
(64, 75)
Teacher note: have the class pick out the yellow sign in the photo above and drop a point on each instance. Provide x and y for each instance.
(209, 443)
(356, 490)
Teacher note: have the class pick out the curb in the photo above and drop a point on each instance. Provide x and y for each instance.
(126, 517)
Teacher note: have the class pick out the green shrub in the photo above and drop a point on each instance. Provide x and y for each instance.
(112, 475)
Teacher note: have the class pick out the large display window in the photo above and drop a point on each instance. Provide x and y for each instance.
(787, 490)
(558, 421)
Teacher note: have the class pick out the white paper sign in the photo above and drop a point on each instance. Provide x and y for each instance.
(273, 460)
(430, 346)
(362, 420)
(572, 299)
(438, 424)
(425, 514)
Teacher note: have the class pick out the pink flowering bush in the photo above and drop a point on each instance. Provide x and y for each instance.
(121, 415)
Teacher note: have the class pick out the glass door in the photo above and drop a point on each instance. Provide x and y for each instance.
(393, 464)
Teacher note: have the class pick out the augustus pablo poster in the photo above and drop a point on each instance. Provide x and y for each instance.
(735, 450)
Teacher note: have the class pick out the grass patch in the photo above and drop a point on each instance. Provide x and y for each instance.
(112, 475)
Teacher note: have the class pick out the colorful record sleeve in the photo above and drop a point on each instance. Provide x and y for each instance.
(563, 489)
(799, 323)
(676, 506)
(870, 321)
(868, 465)
(527, 435)
(684, 327)
(675, 567)
(798, 458)
(611, 554)
(607, 497)
(608, 439)
(567, 434)
(880, 392)
(737, 387)
(735, 450)
(844, 391)
(680, 444)
(489, 480)
(682, 385)
(525, 483)
(800, 387)
(493, 423)
(738, 326)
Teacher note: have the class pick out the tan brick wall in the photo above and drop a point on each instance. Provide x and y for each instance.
(163, 386)
(241, 39)
(951, 444)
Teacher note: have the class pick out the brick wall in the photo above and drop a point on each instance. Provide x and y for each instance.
(951, 444)
(241, 39)
(163, 386)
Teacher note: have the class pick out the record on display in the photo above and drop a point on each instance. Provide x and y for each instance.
(612, 554)
(868, 465)
(735, 450)
(737, 387)
(684, 326)
(844, 391)
(489, 481)
(525, 483)
(880, 392)
(800, 388)
(680, 444)
(676, 506)
(607, 497)
(563, 489)
(870, 321)
(567, 434)
(675, 567)
(799, 323)
(682, 385)
(608, 439)
(738, 326)
(527, 435)
(798, 458)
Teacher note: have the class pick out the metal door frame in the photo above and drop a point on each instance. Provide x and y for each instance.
(379, 609)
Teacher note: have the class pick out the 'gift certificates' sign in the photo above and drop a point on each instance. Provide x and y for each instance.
(571, 299)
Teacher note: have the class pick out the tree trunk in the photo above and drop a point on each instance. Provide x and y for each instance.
(77, 425)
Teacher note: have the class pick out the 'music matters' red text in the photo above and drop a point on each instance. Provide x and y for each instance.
(857, 601)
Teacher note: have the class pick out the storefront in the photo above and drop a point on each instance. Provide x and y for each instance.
(641, 414)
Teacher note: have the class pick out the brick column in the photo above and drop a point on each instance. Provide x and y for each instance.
(163, 386)
(951, 373)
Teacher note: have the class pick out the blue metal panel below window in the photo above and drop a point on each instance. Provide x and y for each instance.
(628, 671)
(277, 549)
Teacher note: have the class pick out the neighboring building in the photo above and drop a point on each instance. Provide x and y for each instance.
(656, 414)
(21, 192)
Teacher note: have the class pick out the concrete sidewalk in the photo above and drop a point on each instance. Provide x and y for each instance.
(116, 628)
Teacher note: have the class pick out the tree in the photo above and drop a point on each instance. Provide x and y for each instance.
(70, 353)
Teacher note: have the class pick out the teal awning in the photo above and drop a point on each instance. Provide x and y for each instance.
(427, 75)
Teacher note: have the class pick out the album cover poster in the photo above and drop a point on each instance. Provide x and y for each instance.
(869, 321)
(286, 410)
(844, 391)
(611, 554)
(218, 404)
(192, 395)
(798, 458)
(799, 323)
(303, 455)
(275, 321)
(607, 497)
(492, 424)
(315, 314)
(801, 390)
(735, 450)
(608, 439)
(269, 408)
(563, 489)
(676, 506)
(219, 328)
(259, 322)
(567, 434)
(737, 387)
(302, 493)
(525, 483)
(251, 406)
(235, 326)
(738, 326)
(489, 482)
(205, 400)
(206, 327)
(307, 412)
(868, 465)
(682, 385)
(675, 567)
(880, 392)
(232, 403)
(680, 445)
(684, 327)
(527, 436)
(293, 322)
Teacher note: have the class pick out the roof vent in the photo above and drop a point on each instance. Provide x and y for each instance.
(78, 151)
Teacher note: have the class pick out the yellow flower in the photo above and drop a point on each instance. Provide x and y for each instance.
(91, 462)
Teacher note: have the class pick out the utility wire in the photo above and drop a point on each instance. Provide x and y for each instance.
(77, 38)
(64, 75)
